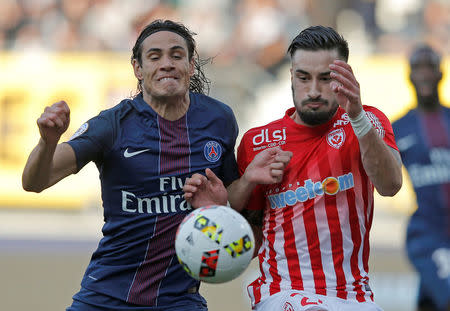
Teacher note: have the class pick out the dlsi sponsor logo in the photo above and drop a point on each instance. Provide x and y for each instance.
(310, 189)
(269, 138)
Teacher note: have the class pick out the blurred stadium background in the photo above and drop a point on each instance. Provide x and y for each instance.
(79, 51)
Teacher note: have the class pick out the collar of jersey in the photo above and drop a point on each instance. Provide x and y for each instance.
(142, 107)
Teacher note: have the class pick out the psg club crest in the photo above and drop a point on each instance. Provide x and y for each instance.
(336, 138)
(212, 151)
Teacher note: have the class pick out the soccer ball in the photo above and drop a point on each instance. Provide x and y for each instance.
(214, 244)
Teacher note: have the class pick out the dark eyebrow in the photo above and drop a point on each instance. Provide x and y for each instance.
(175, 47)
(325, 73)
(302, 72)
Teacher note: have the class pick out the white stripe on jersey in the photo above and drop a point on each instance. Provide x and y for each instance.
(363, 220)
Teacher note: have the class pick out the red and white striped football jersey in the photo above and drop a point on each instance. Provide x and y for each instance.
(317, 220)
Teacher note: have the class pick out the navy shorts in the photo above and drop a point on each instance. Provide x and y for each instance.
(87, 300)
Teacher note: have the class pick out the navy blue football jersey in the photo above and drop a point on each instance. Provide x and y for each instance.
(424, 144)
(143, 161)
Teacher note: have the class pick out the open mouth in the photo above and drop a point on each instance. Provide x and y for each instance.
(165, 79)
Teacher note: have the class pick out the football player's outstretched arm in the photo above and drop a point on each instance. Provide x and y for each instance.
(49, 162)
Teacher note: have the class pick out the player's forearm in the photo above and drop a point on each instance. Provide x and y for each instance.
(48, 164)
(36, 174)
(239, 193)
(380, 164)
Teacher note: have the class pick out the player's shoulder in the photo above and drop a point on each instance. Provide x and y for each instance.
(122, 108)
(257, 130)
(373, 109)
(446, 110)
(405, 119)
(210, 104)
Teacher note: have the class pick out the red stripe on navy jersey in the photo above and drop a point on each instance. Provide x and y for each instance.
(174, 146)
(174, 159)
(151, 272)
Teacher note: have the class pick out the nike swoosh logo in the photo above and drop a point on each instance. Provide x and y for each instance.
(127, 154)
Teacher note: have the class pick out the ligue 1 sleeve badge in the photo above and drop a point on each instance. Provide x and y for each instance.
(83, 128)
(212, 151)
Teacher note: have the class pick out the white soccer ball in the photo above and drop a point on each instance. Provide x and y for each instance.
(214, 244)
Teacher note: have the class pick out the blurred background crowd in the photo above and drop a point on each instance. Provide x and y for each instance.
(255, 30)
(245, 36)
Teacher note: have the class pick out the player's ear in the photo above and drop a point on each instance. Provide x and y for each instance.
(137, 69)
(191, 67)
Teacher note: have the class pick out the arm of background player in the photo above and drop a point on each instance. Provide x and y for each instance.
(381, 163)
(254, 218)
(49, 162)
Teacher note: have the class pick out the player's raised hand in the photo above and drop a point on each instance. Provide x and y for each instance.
(53, 122)
(346, 87)
(268, 166)
(206, 190)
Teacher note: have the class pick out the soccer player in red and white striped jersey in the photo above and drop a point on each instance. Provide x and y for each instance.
(313, 226)
(316, 222)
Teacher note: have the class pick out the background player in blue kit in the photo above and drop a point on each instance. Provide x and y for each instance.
(423, 138)
(144, 149)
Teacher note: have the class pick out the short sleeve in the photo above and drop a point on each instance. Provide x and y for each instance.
(382, 125)
(229, 166)
(92, 140)
(244, 157)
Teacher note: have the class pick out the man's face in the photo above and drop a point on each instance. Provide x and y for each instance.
(425, 76)
(166, 69)
(314, 100)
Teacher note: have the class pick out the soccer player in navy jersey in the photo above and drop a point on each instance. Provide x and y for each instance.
(423, 139)
(315, 223)
(145, 148)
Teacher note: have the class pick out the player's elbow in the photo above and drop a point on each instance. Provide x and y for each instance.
(29, 186)
(392, 187)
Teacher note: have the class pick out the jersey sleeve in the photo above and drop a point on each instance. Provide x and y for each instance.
(382, 125)
(244, 156)
(92, 140)
(229, 169)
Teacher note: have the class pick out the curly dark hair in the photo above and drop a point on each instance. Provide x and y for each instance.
(199, 83)
(316, 38)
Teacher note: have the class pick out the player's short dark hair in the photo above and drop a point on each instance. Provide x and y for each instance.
(317, 38)
(424, 51)
(198, 83)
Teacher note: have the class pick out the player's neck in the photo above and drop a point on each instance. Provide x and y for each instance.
(169, 108)
(429, 105)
